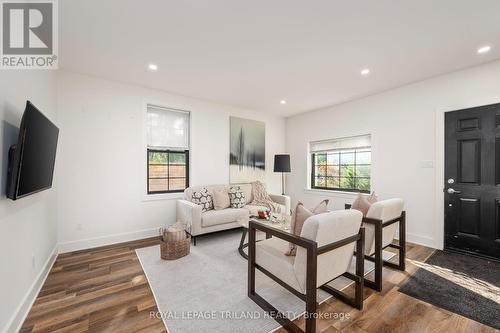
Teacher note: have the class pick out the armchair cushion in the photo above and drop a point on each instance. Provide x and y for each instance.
(325, 229)
(382, 210)
(269, 255)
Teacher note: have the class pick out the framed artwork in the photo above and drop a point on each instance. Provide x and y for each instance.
(247, 153)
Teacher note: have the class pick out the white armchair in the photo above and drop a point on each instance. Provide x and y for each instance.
(381, 223)
(325, 250)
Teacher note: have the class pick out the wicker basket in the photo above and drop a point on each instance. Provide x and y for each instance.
(175, 249)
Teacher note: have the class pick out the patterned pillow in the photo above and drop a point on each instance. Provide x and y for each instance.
(236, 197)
(204, 199)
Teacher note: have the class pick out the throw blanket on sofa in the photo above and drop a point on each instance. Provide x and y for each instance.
(262, 198)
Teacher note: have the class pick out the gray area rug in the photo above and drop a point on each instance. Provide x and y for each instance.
(462, 284)
(206, 291)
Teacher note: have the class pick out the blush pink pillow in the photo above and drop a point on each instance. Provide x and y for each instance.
(363, 203)
(372, 198)
(299, 216)
(322, 207)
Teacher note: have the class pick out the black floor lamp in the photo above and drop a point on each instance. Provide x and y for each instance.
(282, 164)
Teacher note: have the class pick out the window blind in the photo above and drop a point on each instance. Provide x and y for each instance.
(167, 128)
(353, 142)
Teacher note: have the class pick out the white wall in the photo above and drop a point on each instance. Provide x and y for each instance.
(102, 158)
(407, 131)
(28, 228)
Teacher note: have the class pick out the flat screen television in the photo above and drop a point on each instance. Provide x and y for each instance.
(32, 159)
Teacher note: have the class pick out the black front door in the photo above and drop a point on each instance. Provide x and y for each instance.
(472, 180)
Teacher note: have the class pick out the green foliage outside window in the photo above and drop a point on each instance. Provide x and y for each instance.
(348, 170)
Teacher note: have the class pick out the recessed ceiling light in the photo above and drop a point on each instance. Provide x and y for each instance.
(484, 49)
(153, 67)
(365, 71)
(282, 101)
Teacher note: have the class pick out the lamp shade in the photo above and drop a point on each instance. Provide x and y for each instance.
(282, 163)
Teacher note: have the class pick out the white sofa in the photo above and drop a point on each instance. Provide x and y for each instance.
(199, 223)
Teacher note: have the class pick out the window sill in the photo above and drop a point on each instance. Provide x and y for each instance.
(163, 196)
(332, 193)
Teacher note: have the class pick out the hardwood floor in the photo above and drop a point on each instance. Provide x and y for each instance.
(97, 290)
(105, 290)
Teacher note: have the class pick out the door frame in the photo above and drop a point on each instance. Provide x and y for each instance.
(439, 163)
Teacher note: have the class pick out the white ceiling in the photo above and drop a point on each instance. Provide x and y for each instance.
(254, 53)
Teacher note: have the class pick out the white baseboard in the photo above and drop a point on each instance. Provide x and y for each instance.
(19, 316)
(106, 240)
(419, 239)
(17, 320)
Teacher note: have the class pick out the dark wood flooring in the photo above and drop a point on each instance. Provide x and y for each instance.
(105, 290)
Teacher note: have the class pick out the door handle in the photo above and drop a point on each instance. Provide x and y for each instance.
(452, 191)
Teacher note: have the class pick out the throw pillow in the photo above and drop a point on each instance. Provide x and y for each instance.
(221, 199)
(322, 207)
(236, 197)
(372, 198)
(204, 199)
(299, 216)
(363, 203)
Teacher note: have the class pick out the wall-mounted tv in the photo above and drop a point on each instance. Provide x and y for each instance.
(32, 159)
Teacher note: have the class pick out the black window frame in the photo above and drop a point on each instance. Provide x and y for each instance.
(168, 151)
(354, 164)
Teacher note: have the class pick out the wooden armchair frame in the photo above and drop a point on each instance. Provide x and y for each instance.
(377, 258)
(313, 251)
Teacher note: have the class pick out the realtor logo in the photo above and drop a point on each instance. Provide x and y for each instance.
(29, 34)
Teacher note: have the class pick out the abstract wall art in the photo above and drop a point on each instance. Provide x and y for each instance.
(247, 159)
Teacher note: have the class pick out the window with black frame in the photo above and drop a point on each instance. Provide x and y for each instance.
(168, 150)
(342, 164)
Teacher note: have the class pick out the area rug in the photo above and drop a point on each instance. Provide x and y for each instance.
(206, 291)
(462, 284)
